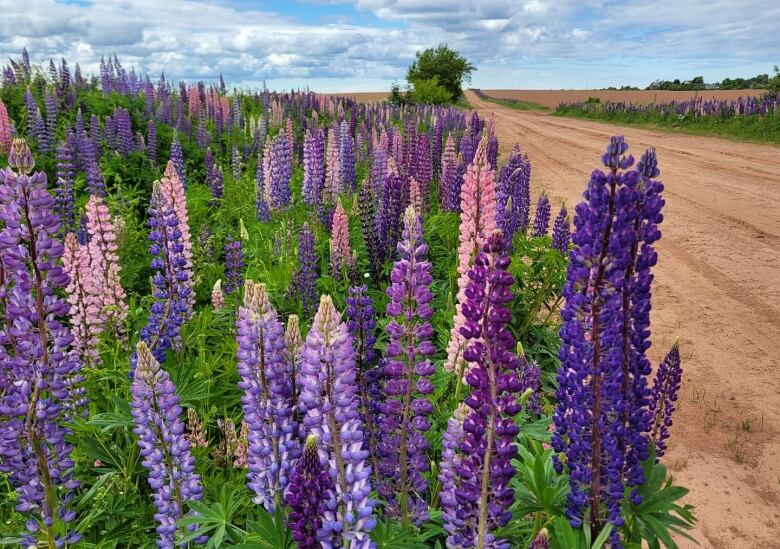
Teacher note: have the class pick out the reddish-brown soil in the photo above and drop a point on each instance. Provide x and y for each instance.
(553, 98)
(717, 286)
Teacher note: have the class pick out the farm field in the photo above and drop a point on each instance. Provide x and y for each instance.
(553, 98)
(718, 287)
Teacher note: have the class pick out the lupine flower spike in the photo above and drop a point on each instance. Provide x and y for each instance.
(165, 450)
(407, 407)
(329, 404)
(663, 397)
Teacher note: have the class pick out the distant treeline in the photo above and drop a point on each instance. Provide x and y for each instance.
(759, 82)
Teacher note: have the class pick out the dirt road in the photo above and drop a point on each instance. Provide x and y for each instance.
(717, 286)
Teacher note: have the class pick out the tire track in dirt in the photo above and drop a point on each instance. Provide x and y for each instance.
(717, 286)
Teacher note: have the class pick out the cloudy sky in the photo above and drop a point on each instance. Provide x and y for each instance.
(364, 45)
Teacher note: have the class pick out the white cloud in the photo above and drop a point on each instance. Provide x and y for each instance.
(508, 40)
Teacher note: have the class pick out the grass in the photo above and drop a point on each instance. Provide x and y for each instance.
(517, 104)
(752, 128)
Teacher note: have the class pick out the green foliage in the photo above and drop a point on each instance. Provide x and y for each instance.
(745, 127)
(443, 63)
(430, 92)
(659, 517)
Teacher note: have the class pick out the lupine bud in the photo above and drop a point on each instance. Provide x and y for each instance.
(309, 489)
(663, 398)
(542, 216)
(561, 236)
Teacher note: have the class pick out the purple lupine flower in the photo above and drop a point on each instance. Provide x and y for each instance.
(170, 279)
(449, 175)
(361, 325)
(124, 131)
(647, 203)
(234, 265)
(389, 213)
(542, 216)
(468, 145)
(330, 407)
(82, 234)
(313, 173)
(601, 417)
(177, 156)
(151, 141)
(663, 398)
(424, 170)
(309, 489)
(278, 180)
(203, 137)
(266, 379)
(208, 163)
(346, 159)
(307, 270)
(39, 372)
(165, 450)
(541, 541)
(66, 179)
(513, 195)
(216, 182)
(407, 407)
(367, 216)
(561, 235)
(261, 206)
(32, 112)
(489, 428)
(96, 184)
(451, 459)
(50, 102)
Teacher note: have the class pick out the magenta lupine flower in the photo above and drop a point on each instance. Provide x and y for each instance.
(601, 418)
(165, 450)
(489, 429)
(330, 407)
(542, 216)
(104, 262)
(561, 235)
(39, 373)
(309, 489)
(267, 401)
(663, 397)
(407, 407)
(85, 299)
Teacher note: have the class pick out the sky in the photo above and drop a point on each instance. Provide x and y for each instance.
(365, 45)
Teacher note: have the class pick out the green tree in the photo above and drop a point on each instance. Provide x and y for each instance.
(430, 92)
(448, 66)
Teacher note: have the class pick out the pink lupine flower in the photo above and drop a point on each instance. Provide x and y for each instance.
(84, 296)
(6, 135)
(104, 261)
(332, 177)
(415, 196)
(340, 252)
(217, 297)
(477, 222)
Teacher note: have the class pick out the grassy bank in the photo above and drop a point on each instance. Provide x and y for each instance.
(517, 104)
(756, 128)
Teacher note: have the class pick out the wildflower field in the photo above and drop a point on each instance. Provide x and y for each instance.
(254, 319)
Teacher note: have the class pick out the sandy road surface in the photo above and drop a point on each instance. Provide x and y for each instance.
(717, 287)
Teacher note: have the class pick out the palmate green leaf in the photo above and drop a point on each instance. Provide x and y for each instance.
(659, 516)
(566, 537)
(267, 532)
(389, 534)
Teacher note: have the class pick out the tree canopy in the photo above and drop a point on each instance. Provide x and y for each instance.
(446, 65)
